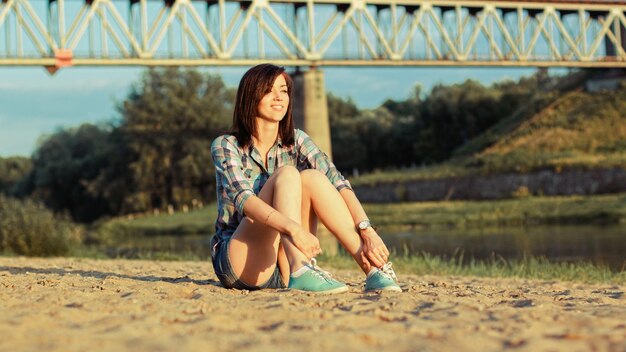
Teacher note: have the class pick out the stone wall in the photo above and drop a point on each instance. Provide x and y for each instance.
(499, 186)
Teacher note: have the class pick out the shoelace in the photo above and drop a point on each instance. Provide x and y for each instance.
(319, 271)
(387, 271)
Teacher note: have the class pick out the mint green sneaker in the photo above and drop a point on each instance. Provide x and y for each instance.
(316, 280)
(383, 279)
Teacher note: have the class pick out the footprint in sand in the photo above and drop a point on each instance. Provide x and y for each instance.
(615, 295)
(522, 303)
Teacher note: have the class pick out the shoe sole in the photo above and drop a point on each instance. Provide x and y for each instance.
(327, 292)
(389, 288)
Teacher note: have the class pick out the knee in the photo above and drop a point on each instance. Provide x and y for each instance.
(312, 176)
(287, 175)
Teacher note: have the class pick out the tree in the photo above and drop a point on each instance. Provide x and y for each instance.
(169, 121)
(349, 152)
(67, 170)
(12, 170)
(157, 154)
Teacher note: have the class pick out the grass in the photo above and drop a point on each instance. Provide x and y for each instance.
(530, 268)
(426, 264)
(198, 221)
(580, 130)
(524, 211)
(444, 170)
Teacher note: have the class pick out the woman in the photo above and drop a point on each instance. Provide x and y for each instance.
(273, 183)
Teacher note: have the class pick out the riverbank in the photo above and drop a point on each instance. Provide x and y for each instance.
(492, 186)
(68, 304)
(525, 209)
(442, 238)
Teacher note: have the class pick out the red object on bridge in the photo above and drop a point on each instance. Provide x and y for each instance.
(63, 59)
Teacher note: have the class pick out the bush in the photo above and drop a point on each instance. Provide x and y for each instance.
(29, 228)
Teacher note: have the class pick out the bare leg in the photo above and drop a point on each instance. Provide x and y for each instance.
(327, 203)
(255, 248)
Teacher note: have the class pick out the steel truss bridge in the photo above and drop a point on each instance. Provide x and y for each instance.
(57, 33)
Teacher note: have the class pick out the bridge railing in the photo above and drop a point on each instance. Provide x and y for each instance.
(58, 33)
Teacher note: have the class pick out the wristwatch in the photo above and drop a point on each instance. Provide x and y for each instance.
(363, 225)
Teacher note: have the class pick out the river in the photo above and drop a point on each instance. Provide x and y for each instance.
(601, 245)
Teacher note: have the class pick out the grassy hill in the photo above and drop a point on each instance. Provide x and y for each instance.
(579, 130)
(574, 129)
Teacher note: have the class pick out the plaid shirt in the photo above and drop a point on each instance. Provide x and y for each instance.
(240, 173)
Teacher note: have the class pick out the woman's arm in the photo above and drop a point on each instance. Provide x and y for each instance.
(374, 248)
(355, 207)
(257, 210)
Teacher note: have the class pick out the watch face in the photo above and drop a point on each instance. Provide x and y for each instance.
(364, 224)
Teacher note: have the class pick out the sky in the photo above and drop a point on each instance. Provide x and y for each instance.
(34, 103)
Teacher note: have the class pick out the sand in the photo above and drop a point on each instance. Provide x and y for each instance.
(66, 304)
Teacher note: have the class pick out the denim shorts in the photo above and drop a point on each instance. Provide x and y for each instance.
(226, 274)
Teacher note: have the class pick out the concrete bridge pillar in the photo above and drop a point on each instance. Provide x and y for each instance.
(310, 111)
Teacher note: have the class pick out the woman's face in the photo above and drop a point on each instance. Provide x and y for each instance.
(273, 106)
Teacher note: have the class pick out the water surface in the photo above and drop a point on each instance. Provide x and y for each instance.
(602, 245)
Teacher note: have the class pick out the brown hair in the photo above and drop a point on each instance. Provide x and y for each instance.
(254, 84)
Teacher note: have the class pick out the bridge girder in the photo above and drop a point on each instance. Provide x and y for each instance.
(58, 33)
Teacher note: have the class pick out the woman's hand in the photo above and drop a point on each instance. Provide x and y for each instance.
(306, 242)
(374, 249)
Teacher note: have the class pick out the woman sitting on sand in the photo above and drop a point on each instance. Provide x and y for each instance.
(273, 183)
